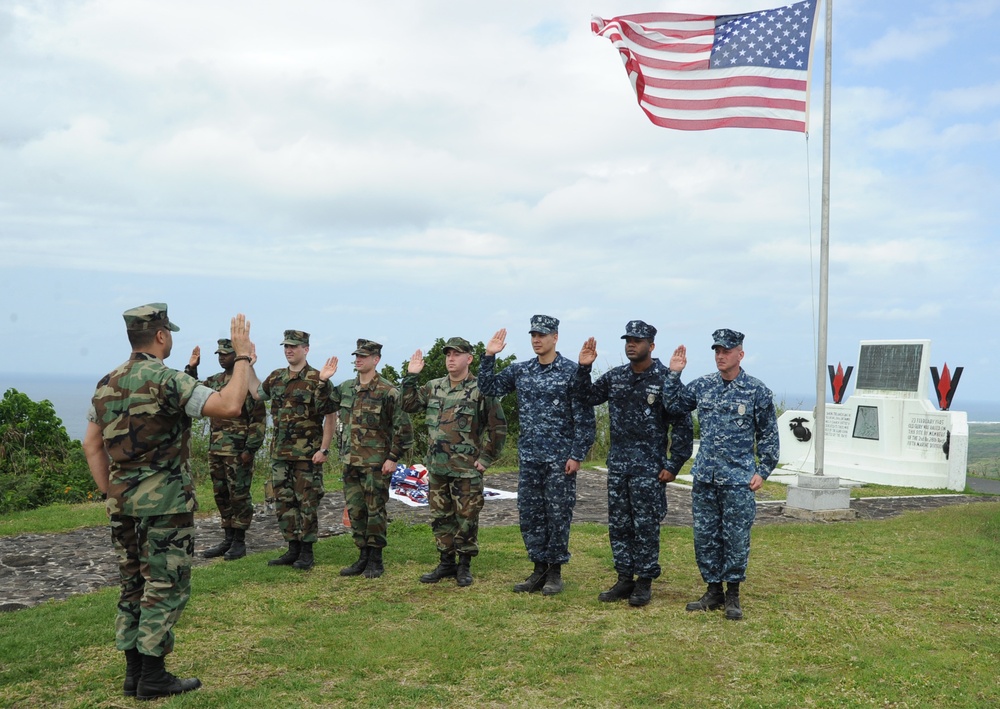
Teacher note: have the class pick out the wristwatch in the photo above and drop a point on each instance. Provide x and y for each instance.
(325, 451)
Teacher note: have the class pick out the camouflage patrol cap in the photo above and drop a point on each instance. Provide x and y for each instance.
(726, 338)
(296, 337)
(459, 344)
(368, 348)
(639, 329)
(544, 324)
(225, 346)
(148, 317)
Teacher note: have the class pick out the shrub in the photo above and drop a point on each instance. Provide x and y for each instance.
(39, 463)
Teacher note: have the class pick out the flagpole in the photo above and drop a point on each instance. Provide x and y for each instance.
(824, 258)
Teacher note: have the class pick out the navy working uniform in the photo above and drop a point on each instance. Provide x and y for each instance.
(639, 441)
(735, 417)
(555, 427)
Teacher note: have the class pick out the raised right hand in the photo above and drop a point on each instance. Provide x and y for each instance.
(239, 332)
(416, 363)
(329, 369)
(679, 360)
(588, 353)
(497, 342)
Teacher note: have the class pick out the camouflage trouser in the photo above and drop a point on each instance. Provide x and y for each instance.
(635, 507)
(455, 506)
(231, 479)
(366, 490)
(298, 488)
(546, 496)
(154, 566)
(723, 516)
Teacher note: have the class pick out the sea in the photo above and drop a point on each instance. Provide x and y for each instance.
(70, 397)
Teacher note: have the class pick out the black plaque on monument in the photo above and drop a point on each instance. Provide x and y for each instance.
(890, 367)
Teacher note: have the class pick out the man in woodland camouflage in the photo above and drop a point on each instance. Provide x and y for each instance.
(638, 465)
(738, 451)
(300, 445)
(465, 434)
(233, 444)
(136, 441)
(557, 430)
(374, 433)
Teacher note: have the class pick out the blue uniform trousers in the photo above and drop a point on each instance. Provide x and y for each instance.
(546, 496)
(635, 507)
(723, 516)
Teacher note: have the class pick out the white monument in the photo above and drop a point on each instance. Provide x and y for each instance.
(888, 431)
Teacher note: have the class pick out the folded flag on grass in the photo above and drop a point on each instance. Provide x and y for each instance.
(409, 486)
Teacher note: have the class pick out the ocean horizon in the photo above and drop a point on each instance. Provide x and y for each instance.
(70, 396)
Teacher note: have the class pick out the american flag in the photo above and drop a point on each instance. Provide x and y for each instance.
(699, 72)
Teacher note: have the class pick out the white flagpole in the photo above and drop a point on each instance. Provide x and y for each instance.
(824, 258)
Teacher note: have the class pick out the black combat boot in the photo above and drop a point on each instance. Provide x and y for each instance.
(358, 566)
(534, 582)
(443, 570)
(133, 670)
(222, 547)
(239, 548)
(733, 610)
(622, 589)
(305, 560)
(374, 569)
(642, 592)
(290, 556)
(712, 600)
(553, 580)
(156, 682)
(463, 576)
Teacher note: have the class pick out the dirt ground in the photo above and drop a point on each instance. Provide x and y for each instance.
(38, 567)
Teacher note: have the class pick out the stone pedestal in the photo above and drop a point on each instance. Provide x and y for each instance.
(819, 498)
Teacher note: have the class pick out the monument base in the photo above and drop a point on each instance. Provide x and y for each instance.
(819, 515)
(818, 498)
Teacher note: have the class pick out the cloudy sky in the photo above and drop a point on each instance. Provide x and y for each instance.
(402, 170)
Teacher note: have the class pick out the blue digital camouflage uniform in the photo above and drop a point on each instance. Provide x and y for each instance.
(555, 427)
(735, 417)
(639, 442)
(143, 409)
(463, 427)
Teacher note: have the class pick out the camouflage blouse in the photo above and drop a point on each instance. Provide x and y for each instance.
(233, 436)
(463, 425)
(372, 425)
(299, 401)
(143, 410)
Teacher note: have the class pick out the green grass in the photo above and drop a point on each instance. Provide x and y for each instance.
(895, 613)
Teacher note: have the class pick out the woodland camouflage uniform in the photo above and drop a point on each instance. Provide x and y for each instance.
(372, 428)
(143, 409)
(463, 427)
(299, 401)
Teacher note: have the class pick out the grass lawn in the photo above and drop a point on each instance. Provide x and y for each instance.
(895, 613)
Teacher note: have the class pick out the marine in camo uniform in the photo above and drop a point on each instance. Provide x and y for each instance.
(374, 433)
(300, 445)
(737, 417)
(557, 430)
(232, 446)
(639, 466)
(136, 441)
(466, 431)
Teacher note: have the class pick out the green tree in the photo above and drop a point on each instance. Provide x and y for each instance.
(434, 368)
(39, 463)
